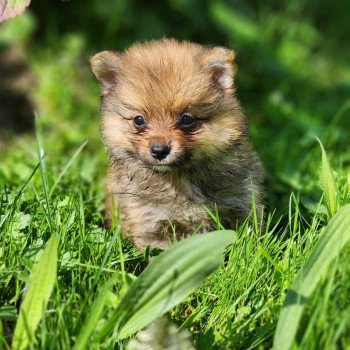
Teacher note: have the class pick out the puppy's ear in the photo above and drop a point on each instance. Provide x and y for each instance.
(222, 64)
(106, 66)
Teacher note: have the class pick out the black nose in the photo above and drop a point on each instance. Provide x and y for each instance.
(159, 151)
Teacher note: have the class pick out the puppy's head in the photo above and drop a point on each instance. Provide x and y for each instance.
(168, 103)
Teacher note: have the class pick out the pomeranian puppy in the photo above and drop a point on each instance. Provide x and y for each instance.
(177, 140)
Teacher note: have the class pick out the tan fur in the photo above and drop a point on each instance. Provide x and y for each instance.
(211, 164)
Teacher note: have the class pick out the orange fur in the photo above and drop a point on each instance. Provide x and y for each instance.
(209, 163)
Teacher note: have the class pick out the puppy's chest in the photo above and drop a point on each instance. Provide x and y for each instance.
(170, 189)
(161, 195)
(166, 190)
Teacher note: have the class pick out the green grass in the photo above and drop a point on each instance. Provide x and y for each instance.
(241, 303)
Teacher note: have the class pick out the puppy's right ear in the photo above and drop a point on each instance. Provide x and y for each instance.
(106, 66)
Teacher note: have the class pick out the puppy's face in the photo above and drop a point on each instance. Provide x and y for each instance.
(168, 103)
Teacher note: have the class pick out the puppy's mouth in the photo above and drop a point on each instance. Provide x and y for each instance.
(163, 168)
(169, 163)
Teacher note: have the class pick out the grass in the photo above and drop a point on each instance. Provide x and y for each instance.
(239, 305)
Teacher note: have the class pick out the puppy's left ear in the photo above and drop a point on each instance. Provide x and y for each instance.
(222, 64)
(106, 66)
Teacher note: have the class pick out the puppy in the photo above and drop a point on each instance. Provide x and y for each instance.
(177, 140)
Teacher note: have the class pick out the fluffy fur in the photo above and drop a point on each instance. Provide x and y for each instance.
(211, 163)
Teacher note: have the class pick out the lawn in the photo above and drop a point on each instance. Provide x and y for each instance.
(294, 84)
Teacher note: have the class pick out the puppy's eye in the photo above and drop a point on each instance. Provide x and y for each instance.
(186, 120)
(139, 121)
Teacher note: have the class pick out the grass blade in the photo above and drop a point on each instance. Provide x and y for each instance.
(96, 310)
(41, 283)
(41, 155)
(75, 155)
(330, 244)
(172, 276)
(17, 197)
(328, 183)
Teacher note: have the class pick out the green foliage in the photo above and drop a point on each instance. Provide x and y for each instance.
(328, 184)
(41, 282)
(164, 283)
(96, 310)
(167, 281)
(18, 30)
(335, 236)
(293, 81)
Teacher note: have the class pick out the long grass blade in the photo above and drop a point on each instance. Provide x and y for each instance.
(68, 165)
(330, 244)
(328, 184)
(96, 310)
(17, 197)
(41, 155)
(172, 276)
(41, 283)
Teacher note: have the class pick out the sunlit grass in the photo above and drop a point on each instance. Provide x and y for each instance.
(239, 305)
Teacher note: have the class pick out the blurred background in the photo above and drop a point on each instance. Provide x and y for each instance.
(293, 80)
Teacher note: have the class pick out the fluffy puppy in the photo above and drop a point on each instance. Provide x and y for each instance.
(177, 140)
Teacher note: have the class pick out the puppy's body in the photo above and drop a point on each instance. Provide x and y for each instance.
(177, 140)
